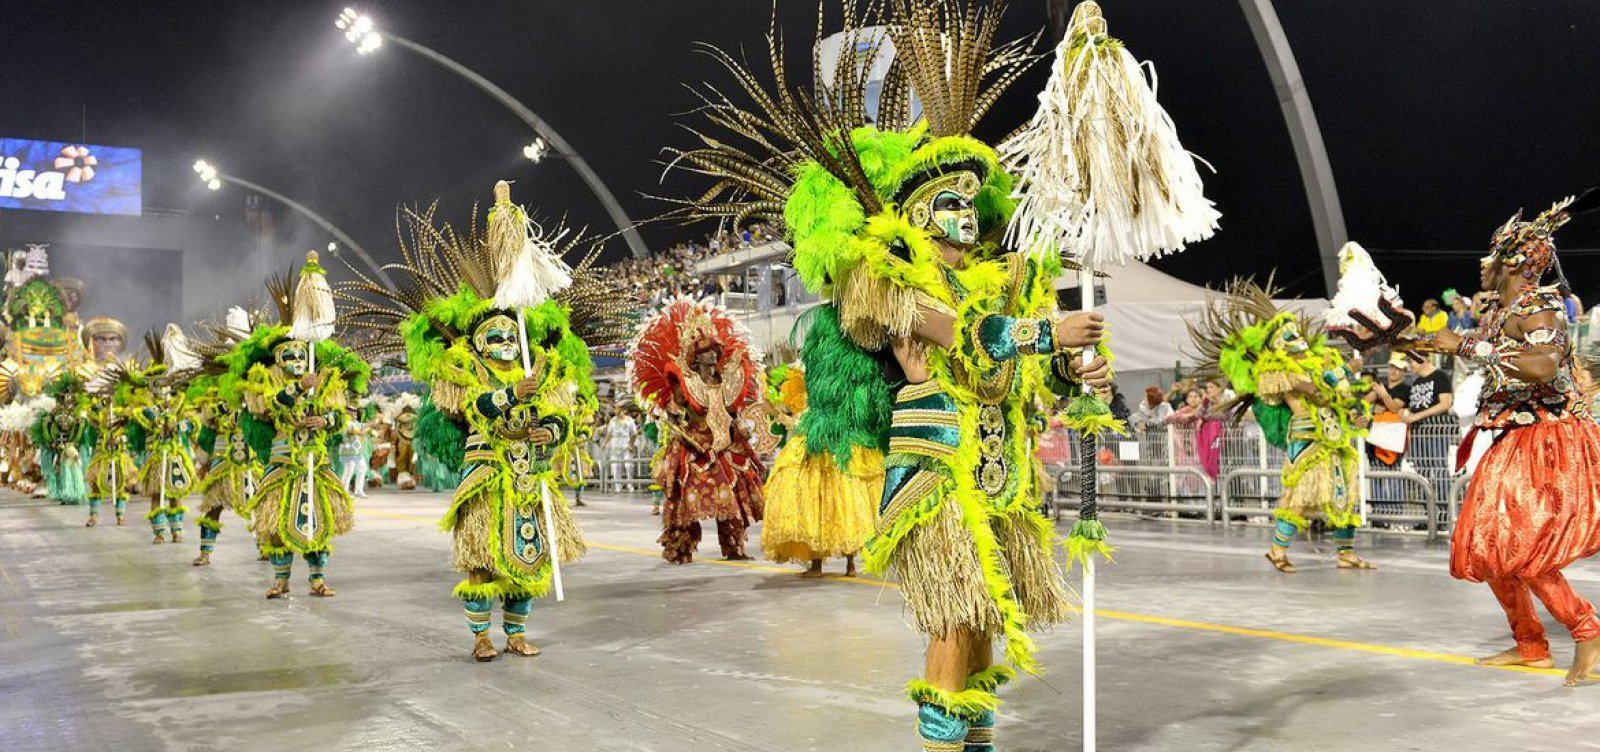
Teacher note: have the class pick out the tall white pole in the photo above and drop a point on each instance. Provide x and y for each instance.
(551, 548)
(1086, 287)
(311, 457)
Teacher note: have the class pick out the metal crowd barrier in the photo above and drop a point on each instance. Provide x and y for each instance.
(1179, 507)
(1159, 469)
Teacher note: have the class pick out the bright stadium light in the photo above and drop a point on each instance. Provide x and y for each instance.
(360, 30)
(363, 32)
(214, 184)
(535, 151)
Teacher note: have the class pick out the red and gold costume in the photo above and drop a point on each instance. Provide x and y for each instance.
(695, 363)
(1533, 506)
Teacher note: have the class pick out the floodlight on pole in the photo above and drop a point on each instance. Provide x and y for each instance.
(535, 151)
(365, 34)
(214, 178)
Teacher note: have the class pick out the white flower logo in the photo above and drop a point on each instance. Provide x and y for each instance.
(77, 163)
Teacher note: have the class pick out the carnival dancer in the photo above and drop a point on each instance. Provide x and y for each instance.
(805, 523)
(300, 506)
(1533, 506)
(165, 416)
(111, 466)
(936, 337)
(63, 432)
(1307, 402)
(491, 322)
(233, 440)
(695, 364)
(233, 470)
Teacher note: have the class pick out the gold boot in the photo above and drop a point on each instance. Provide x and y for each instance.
(203, 559)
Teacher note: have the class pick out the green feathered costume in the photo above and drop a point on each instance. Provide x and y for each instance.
(63, 432)
(898, 224)
(1303, 395)
(507, 443)
(292, 421)
(112, 468)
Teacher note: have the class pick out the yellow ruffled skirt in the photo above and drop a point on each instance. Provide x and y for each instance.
(815, 510)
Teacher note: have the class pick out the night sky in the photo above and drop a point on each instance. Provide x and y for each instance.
(1441, 116)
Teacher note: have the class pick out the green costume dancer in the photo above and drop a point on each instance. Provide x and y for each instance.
(162, 413)
(300, 505)
(1307, 402)
(111, 467)
(63, 433)
(937, 341)
(507, 413)
(233, 470)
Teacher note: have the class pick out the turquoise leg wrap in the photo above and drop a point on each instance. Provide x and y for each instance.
(1284, 533)
(316, 560)
(158, 523)
(940, 731)
(282, 565)
(94, 507)
(514, 615)
(208, 539)
(175, 522)
(122, 506)
(1344, 538)
(478, 613)
(980, 733)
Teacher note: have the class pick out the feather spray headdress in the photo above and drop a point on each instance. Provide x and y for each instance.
(448, 282)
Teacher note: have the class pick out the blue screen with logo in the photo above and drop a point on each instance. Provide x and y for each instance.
(69, 177)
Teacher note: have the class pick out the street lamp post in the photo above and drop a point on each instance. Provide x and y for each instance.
(214, 179)
(365, 35)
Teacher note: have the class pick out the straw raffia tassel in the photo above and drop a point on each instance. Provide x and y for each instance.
(1101, 172)
(313, 312)
(528, 270)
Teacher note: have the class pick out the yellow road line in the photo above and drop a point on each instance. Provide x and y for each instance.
(1164, 621)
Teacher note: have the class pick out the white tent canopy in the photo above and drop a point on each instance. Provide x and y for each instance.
(1146, 312)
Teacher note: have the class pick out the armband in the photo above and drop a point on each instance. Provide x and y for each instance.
(1004, 337)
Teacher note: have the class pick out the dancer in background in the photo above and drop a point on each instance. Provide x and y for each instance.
(809, 516)
(300, 506)
(163, 413)
(1307, 402)
(234, 441)
(495, 335)
(1533, 506)
(695, 364)
(111, 466)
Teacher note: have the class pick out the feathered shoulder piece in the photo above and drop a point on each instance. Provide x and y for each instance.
(843, 176)
(663, 358)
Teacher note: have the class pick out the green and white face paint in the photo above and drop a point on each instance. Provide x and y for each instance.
(496, 339)
(944, 207)
(291, 356)
(955, 217)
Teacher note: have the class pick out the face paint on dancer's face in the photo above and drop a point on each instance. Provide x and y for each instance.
(955, 217)
(1290, 340)
(291, 357)
(496, 339)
